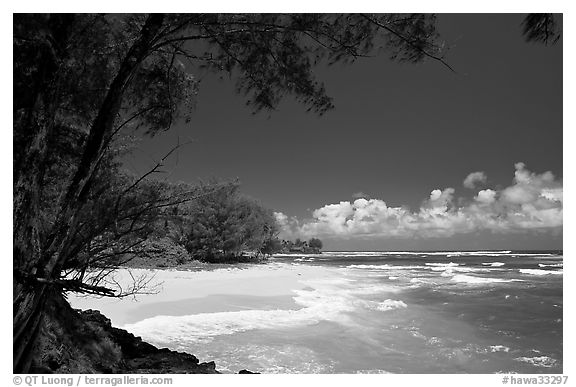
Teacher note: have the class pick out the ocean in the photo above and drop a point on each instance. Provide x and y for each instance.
(452, 312)
(374, 312)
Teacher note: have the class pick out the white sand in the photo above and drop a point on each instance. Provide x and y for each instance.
(188, 292)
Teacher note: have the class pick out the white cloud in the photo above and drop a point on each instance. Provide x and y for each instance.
(289, 227)
(553, 194)
(486, 196)
(473, 179)
(532, 202)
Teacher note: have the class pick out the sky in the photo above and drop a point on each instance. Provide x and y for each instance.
(413, 157)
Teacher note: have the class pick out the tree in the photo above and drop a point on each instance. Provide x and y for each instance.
(87, 79)
(541, 28)
(223, 225)
(272, 245)
(315, 243)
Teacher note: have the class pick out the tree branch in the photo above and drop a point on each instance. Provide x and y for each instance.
(409, 42)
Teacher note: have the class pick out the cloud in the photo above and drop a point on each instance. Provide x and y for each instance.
(289, 227)
(532, 202)
(486, 196)
(472, 180)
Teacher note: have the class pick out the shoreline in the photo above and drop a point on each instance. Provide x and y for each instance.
(97, 343)
(179, 291)
(291, 315)
(190, 290)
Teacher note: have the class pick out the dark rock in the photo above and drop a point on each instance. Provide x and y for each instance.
(139, 356)
(247, 372)
(75, 341)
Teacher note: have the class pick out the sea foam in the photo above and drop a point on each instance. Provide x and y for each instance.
(540, 272)
(324, 299)
(538, 361)
(493, 264)
(479, 280)
(551, 265)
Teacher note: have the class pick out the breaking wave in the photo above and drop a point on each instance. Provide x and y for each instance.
(493, 264)
(540, 272)
(479, 280)
(551, 265)
(324, 299)
(538, 361)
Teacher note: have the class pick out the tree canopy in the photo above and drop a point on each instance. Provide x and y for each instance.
(221, 226)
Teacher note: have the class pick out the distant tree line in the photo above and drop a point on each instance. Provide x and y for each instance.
(275, 245)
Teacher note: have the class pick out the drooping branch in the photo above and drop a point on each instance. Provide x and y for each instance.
(75, 286)
(410, 42)
(542, 28)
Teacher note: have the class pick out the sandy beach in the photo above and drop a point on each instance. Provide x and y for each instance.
(178, 293)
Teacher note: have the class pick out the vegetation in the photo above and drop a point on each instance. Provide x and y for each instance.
(227, 227)
(84, 83)
(275, 245)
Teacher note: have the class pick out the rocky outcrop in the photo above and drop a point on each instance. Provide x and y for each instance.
(144, 358)
(85, 342)
(74, 341)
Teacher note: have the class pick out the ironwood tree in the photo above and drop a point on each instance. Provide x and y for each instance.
(221, 226)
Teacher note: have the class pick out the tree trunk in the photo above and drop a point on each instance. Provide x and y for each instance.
(29, 171)
(77, 192)
(31, 257)
(27, 306)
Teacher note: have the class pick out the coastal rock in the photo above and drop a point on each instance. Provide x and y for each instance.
(85, 342)
(144, 358)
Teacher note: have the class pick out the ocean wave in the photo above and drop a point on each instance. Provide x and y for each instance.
(479, 280)
(448, 269)
(499, 348)
(420, 281)
(488, 253)
(296, 255)
(318, 305)
(551, 265)
(538, 361)
(385, 267)
(493, 264)
(441, 265)
(373, 289)
(344, 286)
(535, 255)
(204, 327)
(354, 253)
(375, 267)
(390, 305)
(268, 359)
(479, 253)
(541, 272)
(326, 299)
